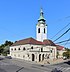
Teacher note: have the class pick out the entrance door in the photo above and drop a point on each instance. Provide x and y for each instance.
(42, 57)
(33, 57)
(39, 57)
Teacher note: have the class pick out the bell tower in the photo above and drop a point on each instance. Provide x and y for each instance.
(41, 28)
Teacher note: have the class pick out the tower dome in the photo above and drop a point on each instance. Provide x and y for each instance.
(41, 18)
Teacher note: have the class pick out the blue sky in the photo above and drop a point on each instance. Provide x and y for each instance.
(18, 18)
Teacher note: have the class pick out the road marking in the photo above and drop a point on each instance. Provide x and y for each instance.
(19, 69)
(67, 69)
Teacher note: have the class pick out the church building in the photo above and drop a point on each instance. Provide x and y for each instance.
(38, 49)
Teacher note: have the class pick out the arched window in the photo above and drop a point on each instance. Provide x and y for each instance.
(12, 49)
(42, 57)
(44, 30)
(18, 48)
(24, 48)
(32, 47)
(28, 55)
(38, 30)
(51, 51)
(15, 49)
(39, 57)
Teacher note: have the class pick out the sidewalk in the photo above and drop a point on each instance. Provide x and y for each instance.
(55, 61)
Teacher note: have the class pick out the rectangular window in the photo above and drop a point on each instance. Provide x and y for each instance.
(38, 30)
(44, 30)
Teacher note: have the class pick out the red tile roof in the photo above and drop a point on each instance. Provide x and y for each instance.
(48, 42)
(59, 47)
(33, 41)
(28, 41)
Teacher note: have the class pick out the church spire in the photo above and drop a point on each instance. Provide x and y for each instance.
(41, 28)
(41, 18)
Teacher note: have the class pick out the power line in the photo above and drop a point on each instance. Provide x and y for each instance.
(60, 30)
(63, 41)
(62, 35)
(66, 43)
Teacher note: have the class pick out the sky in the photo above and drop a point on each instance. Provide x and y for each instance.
(18, 19)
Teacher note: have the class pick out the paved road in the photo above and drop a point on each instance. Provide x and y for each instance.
(17, 65)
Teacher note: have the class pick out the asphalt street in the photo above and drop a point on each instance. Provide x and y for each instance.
(17, 65)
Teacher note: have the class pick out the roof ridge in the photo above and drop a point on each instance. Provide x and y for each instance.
(30, 39)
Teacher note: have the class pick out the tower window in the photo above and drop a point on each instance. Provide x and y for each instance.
(44, 30)
(38, 30)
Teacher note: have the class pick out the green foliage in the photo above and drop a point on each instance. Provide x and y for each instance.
(1, 49)
(67, 53)
(4, 48)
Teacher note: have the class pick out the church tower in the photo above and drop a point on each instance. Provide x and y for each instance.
(41, 28)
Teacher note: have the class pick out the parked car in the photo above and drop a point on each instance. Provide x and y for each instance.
(1, 58)
(8, 57)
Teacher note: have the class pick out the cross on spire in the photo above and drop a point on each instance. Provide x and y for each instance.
(41, 15)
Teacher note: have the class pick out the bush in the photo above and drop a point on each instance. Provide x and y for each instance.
(66, 54)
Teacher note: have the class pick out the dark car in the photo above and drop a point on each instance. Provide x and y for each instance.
(8, 57)
(1, 58)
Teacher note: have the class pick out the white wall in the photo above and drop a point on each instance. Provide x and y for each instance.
(27, 54)
(41, 36)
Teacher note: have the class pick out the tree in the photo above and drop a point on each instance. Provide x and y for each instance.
(1, 50)
(8, 43)
(67, 53)
(4, 48)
